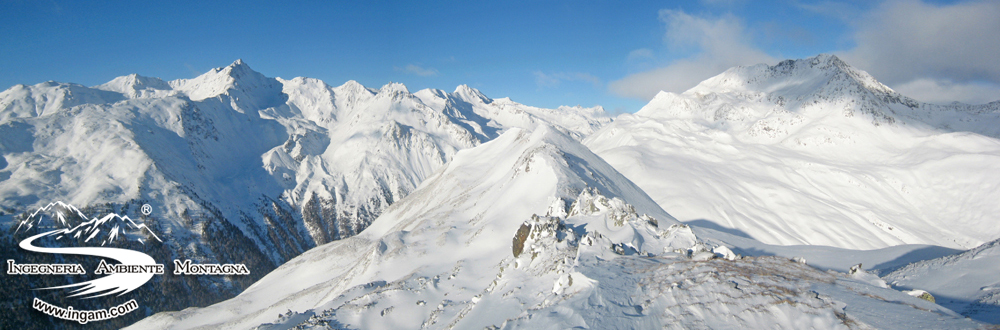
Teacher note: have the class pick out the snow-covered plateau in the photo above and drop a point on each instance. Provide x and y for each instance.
(801, 195)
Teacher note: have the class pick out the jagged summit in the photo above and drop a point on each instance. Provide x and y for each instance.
(239, 69)
(246, 89)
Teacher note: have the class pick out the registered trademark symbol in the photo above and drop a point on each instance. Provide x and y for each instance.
(146, 209)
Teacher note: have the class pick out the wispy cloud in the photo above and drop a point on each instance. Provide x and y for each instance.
(723, 3)
(194, 72)
(418, 70)
(841, 10)
(640, 54)
(553, 80)
(959, 41)
(942, 91)
(720, 43)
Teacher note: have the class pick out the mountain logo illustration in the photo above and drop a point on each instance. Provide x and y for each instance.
(60, 222)
(62, 229)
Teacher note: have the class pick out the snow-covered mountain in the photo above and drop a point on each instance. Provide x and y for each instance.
(239, 167)
(813, 151)
(532, 230)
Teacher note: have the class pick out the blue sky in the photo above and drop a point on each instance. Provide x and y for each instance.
(543, 53)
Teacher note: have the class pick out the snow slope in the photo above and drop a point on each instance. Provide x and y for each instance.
(967, 282)
(878, 261)
(813, 151)
(532, 230)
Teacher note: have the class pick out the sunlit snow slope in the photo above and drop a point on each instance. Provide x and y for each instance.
(532, 230)
(968, 283)
(813, 151)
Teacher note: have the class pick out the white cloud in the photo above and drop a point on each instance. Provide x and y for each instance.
(944, 91)
(723, 3)
(721, 43)
(553, 80)
(417, 70)
(640, 54)
(901, 41)
(842, 10)
(544, 80)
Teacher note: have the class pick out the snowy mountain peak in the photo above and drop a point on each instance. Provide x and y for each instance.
(352, 85)
(815, 87)
(239, 69)
(247, 89)
(792, 77)
(470, 94)
(136, 86)
(393, 88)
(354, 89)
(137, 82)
(822, 60)
(427, 94)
